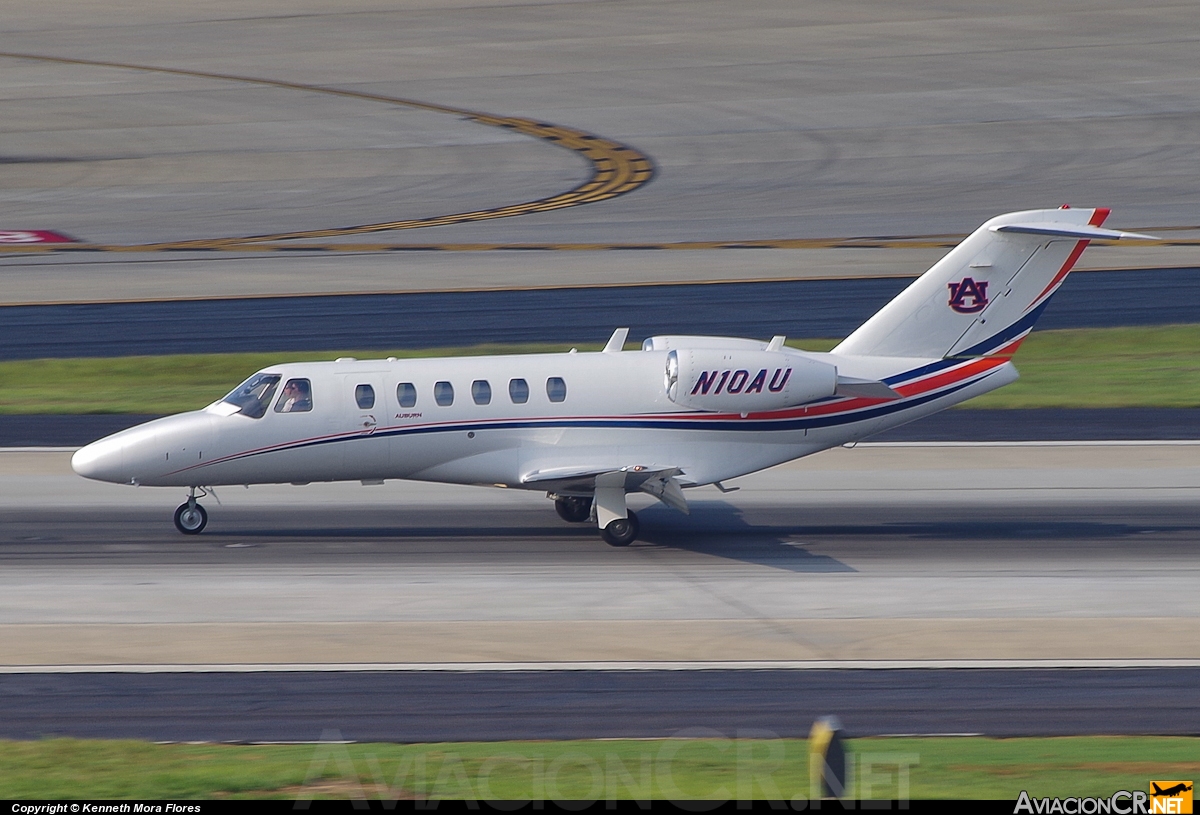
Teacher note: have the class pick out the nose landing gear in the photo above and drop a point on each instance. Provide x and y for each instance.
(190, 517)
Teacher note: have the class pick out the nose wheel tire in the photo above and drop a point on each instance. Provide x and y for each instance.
(621, 532)
(573, 510)
(190, 518)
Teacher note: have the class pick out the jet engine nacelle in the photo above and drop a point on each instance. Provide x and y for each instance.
(742, 381)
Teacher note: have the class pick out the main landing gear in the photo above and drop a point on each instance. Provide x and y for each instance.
(190, 517)
(572, 509)
(618, 525)
(621, 531)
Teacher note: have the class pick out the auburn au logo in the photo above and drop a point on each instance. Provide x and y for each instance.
(968, 289)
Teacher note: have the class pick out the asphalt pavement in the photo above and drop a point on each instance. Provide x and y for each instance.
(764, 120)
(796, 308)
(490, 706)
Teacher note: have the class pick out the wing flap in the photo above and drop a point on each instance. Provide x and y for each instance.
(634, 474)
(667, 489)
(661, 482)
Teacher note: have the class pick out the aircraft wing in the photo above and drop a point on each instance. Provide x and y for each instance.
(660, 481)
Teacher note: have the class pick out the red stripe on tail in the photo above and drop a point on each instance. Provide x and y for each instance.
(1098, 218)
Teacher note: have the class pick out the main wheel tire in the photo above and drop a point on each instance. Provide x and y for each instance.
(573, 510)
(190, 519)
(621, 532)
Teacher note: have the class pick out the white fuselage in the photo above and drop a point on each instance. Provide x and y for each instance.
(615, 413)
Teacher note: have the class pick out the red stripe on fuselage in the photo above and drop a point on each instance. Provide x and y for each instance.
(952, 376)
(915, 388)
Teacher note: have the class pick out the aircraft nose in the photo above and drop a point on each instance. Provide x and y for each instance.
(101, 460)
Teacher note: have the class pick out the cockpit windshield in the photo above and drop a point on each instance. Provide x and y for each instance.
(254, 395)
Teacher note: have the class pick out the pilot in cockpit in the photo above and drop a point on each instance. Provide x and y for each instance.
(296, 397)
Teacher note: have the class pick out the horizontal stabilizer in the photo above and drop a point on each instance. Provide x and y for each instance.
(1083, 232)
(864, 388)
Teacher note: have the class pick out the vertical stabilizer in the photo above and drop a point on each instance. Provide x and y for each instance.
(985, 295)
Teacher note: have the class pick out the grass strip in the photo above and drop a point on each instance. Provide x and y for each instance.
(1154, 366)
(172, 383)
(705, 768)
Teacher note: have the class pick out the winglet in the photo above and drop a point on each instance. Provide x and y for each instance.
(616, 343)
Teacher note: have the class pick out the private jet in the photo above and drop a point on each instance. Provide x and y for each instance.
(588, 429)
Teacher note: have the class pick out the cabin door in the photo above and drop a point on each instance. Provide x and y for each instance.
(366, 406)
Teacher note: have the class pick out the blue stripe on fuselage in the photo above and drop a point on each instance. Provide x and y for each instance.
(683, 423)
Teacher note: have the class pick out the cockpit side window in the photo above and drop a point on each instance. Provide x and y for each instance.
(254, 395)
(296, 397)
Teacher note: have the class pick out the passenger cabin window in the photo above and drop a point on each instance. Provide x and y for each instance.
(443, 393)
(556, 389)
(406, 394)
(365, 396)
(481, 392)
(518, 391)
(254, 395)
(296, 397)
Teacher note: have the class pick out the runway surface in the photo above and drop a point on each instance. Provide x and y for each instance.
(432, 707)
(1056, 555)
(801, 309)
(1061, 559)
(768, 120)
